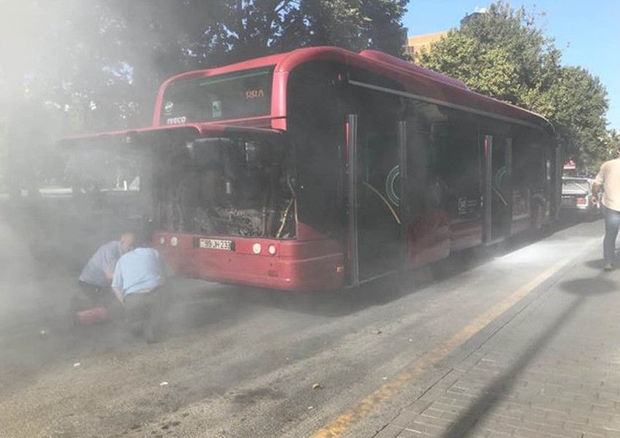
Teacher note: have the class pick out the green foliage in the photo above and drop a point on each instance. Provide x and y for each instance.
(578, 107)
(93, 66)
(355, 24)
(612, 145)
(505, 55)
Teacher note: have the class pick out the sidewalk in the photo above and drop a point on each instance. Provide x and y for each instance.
(552, 371)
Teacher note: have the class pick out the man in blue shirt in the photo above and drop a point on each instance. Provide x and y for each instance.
(138, 278)
(96, 275)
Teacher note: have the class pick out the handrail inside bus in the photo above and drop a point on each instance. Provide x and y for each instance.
(386, 202)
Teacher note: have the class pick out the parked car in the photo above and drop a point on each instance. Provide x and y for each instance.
(577, 195)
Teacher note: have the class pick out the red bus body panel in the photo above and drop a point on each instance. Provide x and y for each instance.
(298, 265)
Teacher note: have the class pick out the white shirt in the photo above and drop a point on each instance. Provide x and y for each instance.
(609, 178)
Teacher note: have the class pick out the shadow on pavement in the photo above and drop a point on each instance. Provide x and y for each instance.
(379, 292)
(588, 287)
(493, 393)
(203, 304)
(595, 264)
(568, 218)
(599, 263)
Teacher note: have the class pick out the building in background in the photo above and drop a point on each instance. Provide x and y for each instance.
(416, 44)
(478, 13)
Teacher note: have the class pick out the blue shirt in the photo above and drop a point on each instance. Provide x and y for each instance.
(102, 261)
(138, 270)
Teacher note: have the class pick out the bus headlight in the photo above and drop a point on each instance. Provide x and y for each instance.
(174, 241)
(256, 248)
(271, 249)
(162, 240)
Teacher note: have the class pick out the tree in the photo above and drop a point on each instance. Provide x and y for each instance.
(576, 104)
(612, 144)
(503, 54)
(129, 48)
(97, 65)
(106, 56)
(356, 24)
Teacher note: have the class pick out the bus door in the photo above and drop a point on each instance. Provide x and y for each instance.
(374, 179)
(498, 187)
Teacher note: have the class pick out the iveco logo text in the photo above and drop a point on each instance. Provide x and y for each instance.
(176, 120)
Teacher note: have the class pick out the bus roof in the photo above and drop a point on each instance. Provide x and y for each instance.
(416, 82)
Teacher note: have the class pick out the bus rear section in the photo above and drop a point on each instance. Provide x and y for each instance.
(221, 204)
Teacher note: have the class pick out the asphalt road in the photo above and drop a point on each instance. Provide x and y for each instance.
(242, 362)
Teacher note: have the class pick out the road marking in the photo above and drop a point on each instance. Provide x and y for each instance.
(386, 391)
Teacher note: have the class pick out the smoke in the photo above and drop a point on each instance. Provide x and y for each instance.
(67, 67)
(16, 267)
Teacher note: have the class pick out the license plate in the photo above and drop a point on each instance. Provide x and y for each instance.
(226, 245)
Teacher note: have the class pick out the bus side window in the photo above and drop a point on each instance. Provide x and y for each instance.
(458, 165)
(443, 160)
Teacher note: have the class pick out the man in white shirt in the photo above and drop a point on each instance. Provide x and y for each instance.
(608, 181)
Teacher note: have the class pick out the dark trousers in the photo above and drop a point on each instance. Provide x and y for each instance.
(144, 312)
(612, 222)
(90, 296)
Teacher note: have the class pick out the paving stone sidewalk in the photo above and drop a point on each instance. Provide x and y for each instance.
(552, 371)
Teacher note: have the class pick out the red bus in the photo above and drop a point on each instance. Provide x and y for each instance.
(321, 168)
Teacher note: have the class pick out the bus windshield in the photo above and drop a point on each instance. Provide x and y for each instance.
(224, 97)
(226, 186)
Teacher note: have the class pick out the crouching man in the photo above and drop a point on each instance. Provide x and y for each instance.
(139, 278)
(97, 274)
(95, 278)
